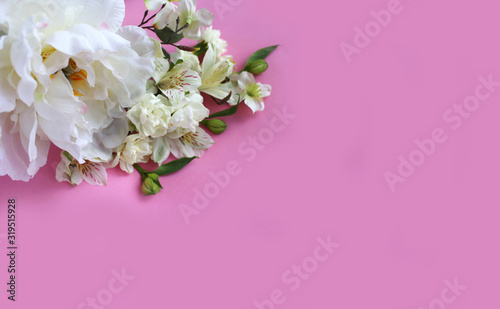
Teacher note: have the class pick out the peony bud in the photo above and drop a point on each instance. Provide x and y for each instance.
(215, 126)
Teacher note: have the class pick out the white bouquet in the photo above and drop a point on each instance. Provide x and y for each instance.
(110, 95)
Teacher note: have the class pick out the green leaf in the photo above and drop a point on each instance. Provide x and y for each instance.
(227, 112)
(173, 166)
(202, 49)
(167, 35)
(261, 54)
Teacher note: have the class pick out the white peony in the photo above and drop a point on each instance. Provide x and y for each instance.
(151, 116)
(67, 71)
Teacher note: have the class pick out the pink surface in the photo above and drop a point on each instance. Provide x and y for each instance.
(432, 242)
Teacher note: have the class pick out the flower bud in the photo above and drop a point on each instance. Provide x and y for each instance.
(151, 185)
(257, 66)
(215, 126)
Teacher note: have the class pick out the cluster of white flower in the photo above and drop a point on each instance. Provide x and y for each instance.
(109, 95)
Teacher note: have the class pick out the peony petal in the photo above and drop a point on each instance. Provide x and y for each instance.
(140, 41)
(84, 38)
(21, 54)
(97, 12)
(14, 161)
(8, 93)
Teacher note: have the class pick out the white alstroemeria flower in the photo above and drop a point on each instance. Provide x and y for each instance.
(215, 73)
(253, 93)
(73, 172)
(66, 76)
(166, 17)
(213, 36)
(135, 149)
(191, 19)
(196, 20)
(187, 112)
(153, 5)
(187, 57)
(192, 144)
(178, 80)
(151, 116)
(151, 87)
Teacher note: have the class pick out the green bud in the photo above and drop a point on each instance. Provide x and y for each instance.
(215, 126)
(257, 66)
(151, 185)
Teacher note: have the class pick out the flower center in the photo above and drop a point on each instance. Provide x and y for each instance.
(47, 51)
(77, 77)
(253, 91)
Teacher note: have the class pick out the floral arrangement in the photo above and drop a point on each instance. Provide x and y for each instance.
(109, 95)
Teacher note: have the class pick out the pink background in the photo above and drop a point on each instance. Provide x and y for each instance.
(321, 175)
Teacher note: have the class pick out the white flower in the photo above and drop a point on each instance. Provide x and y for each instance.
(213, 36)
(187, 57)
(192, 144)
(187, 112)
(215, 74)
(178, 80)
(253, 93)
(186, 12)
(73, 172)
(195, 19)
(151, 116)
(167, 16)
(135, 149)
(153, 5)
(66, 74)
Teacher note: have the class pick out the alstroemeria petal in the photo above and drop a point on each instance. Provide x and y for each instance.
(265, 90)
(195, 143)
(187, 7)
(166, 17)
(254, 104)
(245, 79)
(93, 173)
(204, 17)
(153, 5)
(161, 150)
